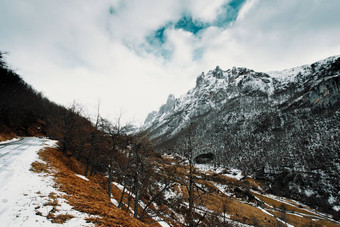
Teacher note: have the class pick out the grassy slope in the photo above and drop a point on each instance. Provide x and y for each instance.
(86, 196)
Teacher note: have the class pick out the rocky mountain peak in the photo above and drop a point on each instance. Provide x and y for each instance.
(218, 73)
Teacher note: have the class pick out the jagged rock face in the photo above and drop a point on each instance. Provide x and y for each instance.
(281, 126)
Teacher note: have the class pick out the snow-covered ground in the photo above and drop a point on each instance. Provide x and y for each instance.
(9, 141)
(231, 173)
(24, 194)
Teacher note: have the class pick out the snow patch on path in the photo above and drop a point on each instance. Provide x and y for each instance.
(25, 194)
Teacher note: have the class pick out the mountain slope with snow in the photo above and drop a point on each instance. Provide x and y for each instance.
(280, 126)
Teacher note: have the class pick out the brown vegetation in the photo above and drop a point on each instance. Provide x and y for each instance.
(245, 206)
(38, 167)
(86, 196)
(7, 135)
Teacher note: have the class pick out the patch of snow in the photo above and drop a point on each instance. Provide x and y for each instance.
(336, 208)
(119, 186)
(266, 212)
(235, 173)
(287, 75)
(222, 188)
(82, 177)
(115, 202)
(331, 199)
(23, 193)
(10, 141)
(232, 173)
(164, 224)
(169, 194)
(309, 192)
(286, 223)
(204, 167)
(293, 213)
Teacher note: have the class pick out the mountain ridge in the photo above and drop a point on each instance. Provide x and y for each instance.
(218, 80)
(280, 126)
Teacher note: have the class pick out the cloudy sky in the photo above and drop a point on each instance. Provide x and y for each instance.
(131, 54)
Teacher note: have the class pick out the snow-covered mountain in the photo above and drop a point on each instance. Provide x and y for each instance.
(216, 88)
(282, 126)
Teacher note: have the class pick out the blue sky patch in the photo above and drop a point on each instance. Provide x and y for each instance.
(188, 24)
(157, 39)
(159, 35)
(229, 13)
(112, 10)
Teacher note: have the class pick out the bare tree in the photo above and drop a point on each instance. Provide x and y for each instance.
(70, 119)
(116, 141)
(94, 132)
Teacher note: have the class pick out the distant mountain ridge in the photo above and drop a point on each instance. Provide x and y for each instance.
(281, 126)
(217, 86)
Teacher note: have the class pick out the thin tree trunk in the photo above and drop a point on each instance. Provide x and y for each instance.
(122, 196)
(136, 197)
(109, 181)
(129, 202)
(88, 160)
(87, 166)
(93, 171)
(151, 200)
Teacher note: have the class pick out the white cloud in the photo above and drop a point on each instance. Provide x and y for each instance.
(137, 19)
(204, 11)
(76, 50)
(277, 34)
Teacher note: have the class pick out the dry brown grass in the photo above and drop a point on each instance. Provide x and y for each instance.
(211, 198)
(86, 196)
(62, 218)
(7, 135)
(287, 213)
(51, 215)
(238, 209)
(301, 221)
(39, 167)
(280, 205)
